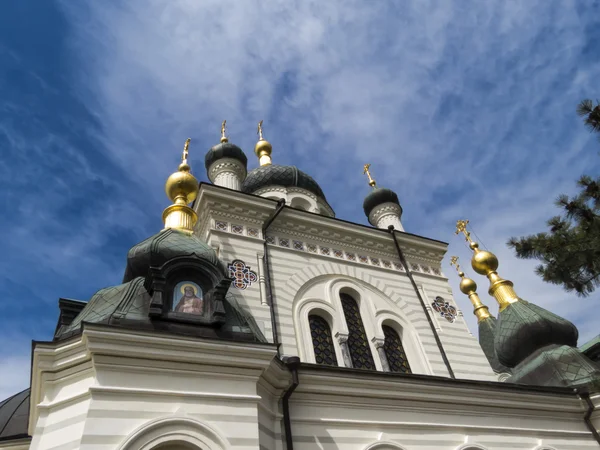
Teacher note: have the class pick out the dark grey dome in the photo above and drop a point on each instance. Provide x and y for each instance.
(379, 196)
(225, 150)
(14, 416)
(288, 176)
(163, 246)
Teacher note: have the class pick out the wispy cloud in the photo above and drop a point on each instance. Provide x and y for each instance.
(465, 108)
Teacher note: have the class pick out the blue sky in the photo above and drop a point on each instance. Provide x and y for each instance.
(464, 108)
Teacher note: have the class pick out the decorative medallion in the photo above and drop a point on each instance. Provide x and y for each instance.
(324, 250)
(387, 264)
(283, 242)
(298, 245)
(252, 232)
(446, 310)
(270, 240)
(237, 229)
(399, 266)
(312, 248)
(415, 267)
(221, 226)
(241, 274)
(351, 256)
(437, 271)
(338, 253)
(375, 261)
(363, 259)
(425, 268)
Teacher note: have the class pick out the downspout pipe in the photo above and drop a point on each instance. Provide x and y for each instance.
(292, 363)
(414, 284)
(585, 396)
(270, 300)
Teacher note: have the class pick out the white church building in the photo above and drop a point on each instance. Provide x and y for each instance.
(257, 320)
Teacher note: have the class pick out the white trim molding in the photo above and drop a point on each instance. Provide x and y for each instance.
(181, 430)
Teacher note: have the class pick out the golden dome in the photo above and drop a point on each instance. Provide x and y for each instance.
(182, 185)
(483, 262)
(467, 286)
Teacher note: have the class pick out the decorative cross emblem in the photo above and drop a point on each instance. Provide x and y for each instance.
(241, 274)
(454, 262)
(446, 310)
(461, 227)
(367, 172)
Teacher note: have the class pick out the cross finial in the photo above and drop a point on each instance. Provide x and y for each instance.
(223, 137)
(454, 262)
(461, 227)
(184, 157)
(260, 131)
(368, 173)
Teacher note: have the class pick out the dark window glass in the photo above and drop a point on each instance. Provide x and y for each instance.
(322, 341)
(394, 351)
(360, 352)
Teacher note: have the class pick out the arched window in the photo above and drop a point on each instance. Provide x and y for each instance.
(360, 352)
(322, 341)
(394, 351)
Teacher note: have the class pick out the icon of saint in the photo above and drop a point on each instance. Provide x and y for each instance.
(190, 303)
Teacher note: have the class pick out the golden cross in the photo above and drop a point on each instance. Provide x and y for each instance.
(184, 157)
(368, 173)
(260, 136)
(454, 262)
(223, 128)
(461, 227)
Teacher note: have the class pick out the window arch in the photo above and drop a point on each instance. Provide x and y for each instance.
(322, 341)
(394, 351)
(358, 345)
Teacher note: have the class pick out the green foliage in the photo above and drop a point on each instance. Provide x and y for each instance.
(591, 113)
(570, 251)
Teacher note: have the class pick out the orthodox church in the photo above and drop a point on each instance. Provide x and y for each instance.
(257, 319)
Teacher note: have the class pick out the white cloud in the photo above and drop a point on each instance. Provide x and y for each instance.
(466, 109)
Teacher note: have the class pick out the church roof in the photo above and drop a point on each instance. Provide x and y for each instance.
(128, 305)
(224, 150)
(275, 175)
(14, 416)
(164, 246)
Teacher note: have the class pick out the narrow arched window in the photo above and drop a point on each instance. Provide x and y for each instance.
(394, 351)
(322, 341)
(358, 345)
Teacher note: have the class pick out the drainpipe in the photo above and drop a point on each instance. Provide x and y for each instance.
(271, 301)
(412, 280)
(585, 396)
(292, 363)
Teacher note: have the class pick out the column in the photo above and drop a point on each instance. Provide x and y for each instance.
(342, 339)
(379, 345)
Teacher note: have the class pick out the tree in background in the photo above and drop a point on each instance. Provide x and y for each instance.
(570, 250)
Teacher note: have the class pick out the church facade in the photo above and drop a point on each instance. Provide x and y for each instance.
(258, 320)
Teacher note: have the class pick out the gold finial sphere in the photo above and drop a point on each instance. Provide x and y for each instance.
(262, 147)
(182, 185)
(484, 262)
(467, 285)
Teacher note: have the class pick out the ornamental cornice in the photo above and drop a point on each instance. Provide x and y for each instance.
(378, 250)
(226, 165)
(389, 208)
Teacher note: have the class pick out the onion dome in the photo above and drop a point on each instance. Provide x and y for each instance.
(14, 416)
(379, 196)
(222, 150)
(525, 328)
(166, 245)
(276, 175)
